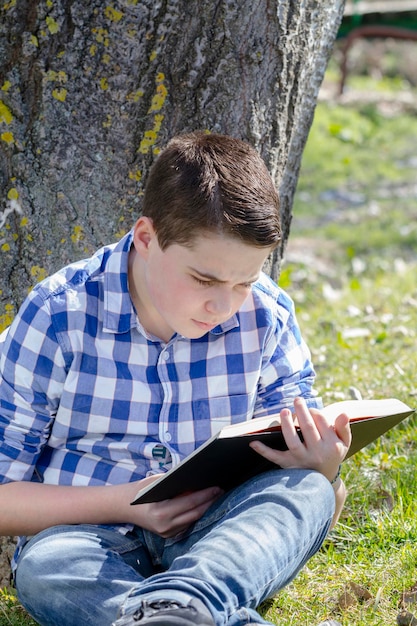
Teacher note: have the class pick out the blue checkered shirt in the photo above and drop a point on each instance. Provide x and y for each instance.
(87, 397)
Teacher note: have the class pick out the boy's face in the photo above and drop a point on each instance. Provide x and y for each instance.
(190, 290)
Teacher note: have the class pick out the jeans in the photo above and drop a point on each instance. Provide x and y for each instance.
(246, 547)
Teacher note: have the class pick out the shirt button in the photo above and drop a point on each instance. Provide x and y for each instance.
(165, 356)
(168, 436)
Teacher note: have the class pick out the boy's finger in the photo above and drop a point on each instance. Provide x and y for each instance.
(342, 429)
(306, 422)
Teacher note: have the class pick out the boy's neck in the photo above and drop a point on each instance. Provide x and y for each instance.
(148, 316)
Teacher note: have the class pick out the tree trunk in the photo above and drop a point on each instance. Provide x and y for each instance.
(90, 92)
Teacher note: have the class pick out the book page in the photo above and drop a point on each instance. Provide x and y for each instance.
(365, 409)
(257, 424)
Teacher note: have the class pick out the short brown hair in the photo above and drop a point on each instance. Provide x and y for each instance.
(210, 182)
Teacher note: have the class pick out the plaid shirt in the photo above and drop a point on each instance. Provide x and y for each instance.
(87, 397)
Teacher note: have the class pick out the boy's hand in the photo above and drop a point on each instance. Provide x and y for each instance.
(324, 447)
(171, 517)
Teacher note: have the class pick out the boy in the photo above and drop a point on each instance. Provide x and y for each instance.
(122, 364)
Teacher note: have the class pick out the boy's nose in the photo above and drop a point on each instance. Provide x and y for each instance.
(220, 305)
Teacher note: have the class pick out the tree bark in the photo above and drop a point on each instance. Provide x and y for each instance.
(90, 92)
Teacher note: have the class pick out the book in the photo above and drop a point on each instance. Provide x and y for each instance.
(226, 459)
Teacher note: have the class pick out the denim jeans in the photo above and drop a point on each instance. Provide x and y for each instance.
(247, 546)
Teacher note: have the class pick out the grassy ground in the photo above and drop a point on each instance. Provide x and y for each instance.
(351, 267)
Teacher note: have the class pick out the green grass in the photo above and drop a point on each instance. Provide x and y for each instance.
(351, 268)
(354, 150)
(375, 543)
(11, 613)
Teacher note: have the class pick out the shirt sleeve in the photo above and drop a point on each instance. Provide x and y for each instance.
(287, 370)
(32, 373)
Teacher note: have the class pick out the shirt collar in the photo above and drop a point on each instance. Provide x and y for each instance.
(232, 322)
(119, 315)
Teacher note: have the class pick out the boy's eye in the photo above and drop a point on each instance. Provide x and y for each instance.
(200, 281)
(209, 283)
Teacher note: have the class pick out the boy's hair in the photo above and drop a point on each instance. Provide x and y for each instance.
(209, 182)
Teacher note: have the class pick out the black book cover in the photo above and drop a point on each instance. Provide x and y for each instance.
(226, 459)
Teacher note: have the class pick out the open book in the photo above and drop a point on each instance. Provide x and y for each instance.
(226, 459)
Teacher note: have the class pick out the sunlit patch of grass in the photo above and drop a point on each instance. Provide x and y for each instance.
(353, 277)
(383, 84)
(362, 332)
(353, 151)
(11, 613)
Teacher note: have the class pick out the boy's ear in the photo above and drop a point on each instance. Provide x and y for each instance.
(143, 234)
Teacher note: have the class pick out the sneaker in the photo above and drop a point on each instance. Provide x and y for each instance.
(168, 613)
(330, 622)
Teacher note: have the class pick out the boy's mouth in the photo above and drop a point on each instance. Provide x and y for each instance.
(205, 325)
